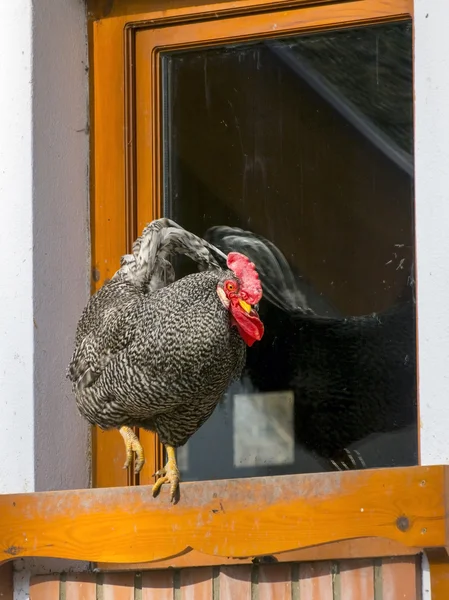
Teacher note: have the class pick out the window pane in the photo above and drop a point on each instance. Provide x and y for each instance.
(307, 142)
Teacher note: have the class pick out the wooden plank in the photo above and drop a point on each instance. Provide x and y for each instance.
(275, 582)
(399, 579)
(6, 582)
(233, 518)
(108, 223)
(157, 585)
(235, 582)
(196, 584)
(118, 586)
(291, 20)
(113, 221)
(315, 581)
(138, 9)
(359, 548)
(80, 586)
(357, 580)
(44, 587)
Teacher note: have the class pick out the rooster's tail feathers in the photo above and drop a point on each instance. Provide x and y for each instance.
(149, 264)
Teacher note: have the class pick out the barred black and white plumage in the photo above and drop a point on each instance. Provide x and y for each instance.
(157, 353)
(161, 374)
(149, 264)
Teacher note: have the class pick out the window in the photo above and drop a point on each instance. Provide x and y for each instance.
(315, 154)
(308, 142)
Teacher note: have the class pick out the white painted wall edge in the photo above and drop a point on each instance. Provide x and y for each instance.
(44, 245)
(432, 224)
(16, 250)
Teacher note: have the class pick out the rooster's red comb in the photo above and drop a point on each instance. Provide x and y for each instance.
(245, 270)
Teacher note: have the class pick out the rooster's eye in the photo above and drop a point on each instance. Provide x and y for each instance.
(230, 286)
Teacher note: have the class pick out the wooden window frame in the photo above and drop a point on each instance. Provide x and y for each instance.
(126, 45)
(362, 514)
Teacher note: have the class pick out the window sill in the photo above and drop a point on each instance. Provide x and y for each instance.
(386, 511)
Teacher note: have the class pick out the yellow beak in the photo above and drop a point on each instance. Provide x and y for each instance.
(246, 307)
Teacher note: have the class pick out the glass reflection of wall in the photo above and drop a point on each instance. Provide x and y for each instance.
(308, 141)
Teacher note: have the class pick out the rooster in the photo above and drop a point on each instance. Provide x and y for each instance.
(156, 353)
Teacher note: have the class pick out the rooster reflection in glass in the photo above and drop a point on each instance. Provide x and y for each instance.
(352, 377)
(159, 354)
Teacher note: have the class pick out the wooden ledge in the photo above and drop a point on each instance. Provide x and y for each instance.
(229, 519)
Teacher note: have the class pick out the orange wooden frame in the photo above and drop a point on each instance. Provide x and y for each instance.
(126, 43)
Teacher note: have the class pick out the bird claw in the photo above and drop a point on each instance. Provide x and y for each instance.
(139, 462)
(129, 457)
(169, 474)
(132, 445)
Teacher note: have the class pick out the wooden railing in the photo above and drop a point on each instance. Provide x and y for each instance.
(329, 516)
(403, 509)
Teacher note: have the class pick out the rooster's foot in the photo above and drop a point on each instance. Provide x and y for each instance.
(132, 444)
(169, 474)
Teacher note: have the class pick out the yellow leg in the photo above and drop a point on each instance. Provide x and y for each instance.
(132, 444)
(169, 474)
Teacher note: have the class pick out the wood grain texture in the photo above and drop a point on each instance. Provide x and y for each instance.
(196, 584)
(261, 26)
(108, 210)
(360, 548)
(80, 586)
(45, 587)
(231, 518)
(135, 10)
(235, 582)
(315, 581)
(275, 582)
(357, 580)
(6, 582)
(118, 586)
(399, 581)
(157, 585)
(113, 218)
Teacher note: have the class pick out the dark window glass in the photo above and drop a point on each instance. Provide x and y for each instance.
(304, 147)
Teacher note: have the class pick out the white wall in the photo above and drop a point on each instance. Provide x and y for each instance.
(432, 228)
(44, 241)
(44, 247)
(432, 223)
(16, 250)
